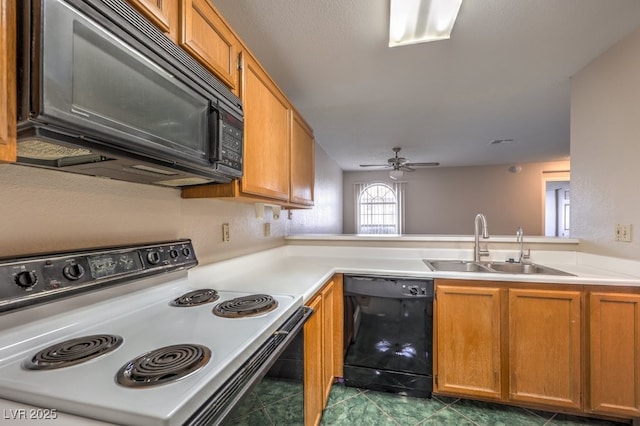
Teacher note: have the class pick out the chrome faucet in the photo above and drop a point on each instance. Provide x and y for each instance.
(480, 220)
(520, 239)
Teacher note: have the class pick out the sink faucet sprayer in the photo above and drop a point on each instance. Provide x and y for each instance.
(480, 220)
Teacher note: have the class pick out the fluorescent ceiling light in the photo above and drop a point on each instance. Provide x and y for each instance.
(418, 21)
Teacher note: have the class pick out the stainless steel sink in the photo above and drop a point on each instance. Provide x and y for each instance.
(455, 266)
(495, 267)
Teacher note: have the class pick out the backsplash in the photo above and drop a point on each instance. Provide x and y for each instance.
(44, 211)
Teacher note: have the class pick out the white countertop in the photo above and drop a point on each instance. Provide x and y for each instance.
(381, 238)
(301, 270)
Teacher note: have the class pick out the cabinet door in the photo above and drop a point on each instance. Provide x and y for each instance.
(8, 112)
(328, 319)
(468, 341)
(206, 36)
(614, 356)
(162, 13)
(544, 347)
(266, 133)
(302, 161)
(313, 368)
(338, 325)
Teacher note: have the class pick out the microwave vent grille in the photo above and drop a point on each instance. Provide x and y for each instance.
(37, 149)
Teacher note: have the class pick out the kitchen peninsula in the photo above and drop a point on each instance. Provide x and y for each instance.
(499, 317)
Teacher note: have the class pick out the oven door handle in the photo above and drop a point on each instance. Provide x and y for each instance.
(221, 404)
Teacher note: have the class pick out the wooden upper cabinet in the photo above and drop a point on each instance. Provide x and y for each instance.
(162, 13)
(266, 134)
(207, 37)
(468, 330)
(8, 83)
(545, 347)
(302, 161)
(279, 148)
(614, 355)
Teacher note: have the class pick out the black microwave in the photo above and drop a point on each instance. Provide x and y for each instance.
(101, 91)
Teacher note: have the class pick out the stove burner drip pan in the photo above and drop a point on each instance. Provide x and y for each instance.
(196, 297)
(163, 365)
(246, 306)
(72, 352)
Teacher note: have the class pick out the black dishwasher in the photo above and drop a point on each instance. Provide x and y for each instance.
(388, 334)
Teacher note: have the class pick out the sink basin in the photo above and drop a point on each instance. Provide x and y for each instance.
(455, 266)
(495, 267)
(522, 268)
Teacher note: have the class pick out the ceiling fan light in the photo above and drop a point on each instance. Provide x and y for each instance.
(396, 174)
(417, 21)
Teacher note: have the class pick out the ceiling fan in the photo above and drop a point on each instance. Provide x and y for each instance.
(400, 164)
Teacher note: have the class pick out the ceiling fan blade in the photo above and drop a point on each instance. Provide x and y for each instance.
(374, 165)
(422, 164)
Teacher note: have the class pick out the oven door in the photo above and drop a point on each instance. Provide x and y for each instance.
(107, 87)
(278, 364)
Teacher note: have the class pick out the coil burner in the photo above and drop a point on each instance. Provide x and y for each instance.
(246, 306)
(72, 352)
(163, 365)
(196, 297)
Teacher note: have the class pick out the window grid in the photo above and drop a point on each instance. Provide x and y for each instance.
(378, 210)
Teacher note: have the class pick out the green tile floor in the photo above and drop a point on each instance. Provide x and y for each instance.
(278, 403)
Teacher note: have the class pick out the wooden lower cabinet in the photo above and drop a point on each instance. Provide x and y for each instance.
(313, 383)
(545, 347)
(517, 343)
(328, 317)
(614, 353)
(322, 348)
(468, 341)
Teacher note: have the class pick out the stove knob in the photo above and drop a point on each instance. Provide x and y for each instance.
(73, 272)
(26, 279)
(153, 257)
(413, 290)
(186, 251)
(173, 253)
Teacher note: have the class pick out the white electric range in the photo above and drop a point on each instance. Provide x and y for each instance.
(140, 344)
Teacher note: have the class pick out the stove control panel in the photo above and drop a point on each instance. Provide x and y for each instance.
(36, 279)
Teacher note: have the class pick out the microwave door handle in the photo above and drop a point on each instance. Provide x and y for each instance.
(214, 133)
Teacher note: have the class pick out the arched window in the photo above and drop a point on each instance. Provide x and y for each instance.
(379, 208)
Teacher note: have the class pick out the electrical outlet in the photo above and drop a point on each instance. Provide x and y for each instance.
(225, 233)
(267, 229)
(623, 232)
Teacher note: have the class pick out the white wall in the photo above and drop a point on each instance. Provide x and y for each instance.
(326, 216)
(605, 149)
(42, 211)
(446, 200)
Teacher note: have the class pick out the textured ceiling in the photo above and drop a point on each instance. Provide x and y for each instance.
(504, 74)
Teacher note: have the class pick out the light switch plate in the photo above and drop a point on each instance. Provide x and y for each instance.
(623, 232)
